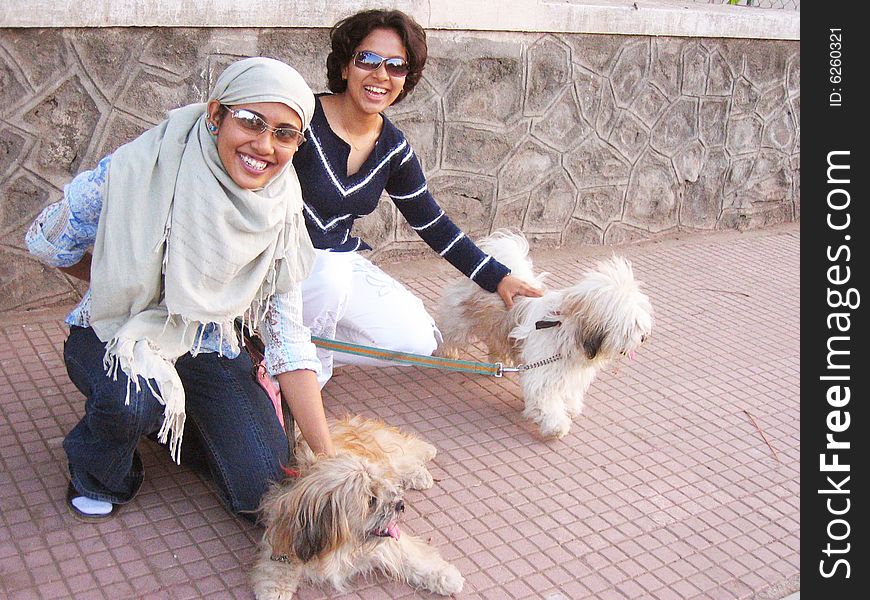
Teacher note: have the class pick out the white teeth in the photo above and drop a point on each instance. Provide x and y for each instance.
(376, 90)
(259, 165)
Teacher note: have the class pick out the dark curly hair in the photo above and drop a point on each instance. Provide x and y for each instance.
(350, 31)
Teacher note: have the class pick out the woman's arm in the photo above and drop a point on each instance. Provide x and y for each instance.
(63, 233)
(292, 358)
(302, 393)
(410, 193)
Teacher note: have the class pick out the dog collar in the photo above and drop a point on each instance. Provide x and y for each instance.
(280, 558)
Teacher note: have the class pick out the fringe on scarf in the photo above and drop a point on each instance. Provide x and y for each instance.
(142, 359)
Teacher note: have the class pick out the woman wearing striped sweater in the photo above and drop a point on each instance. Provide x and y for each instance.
(354, 154)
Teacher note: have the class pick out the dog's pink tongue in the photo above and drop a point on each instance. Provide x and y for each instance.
(393, 531)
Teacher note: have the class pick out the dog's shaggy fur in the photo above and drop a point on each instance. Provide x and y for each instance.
(592, 323)
(339, 517)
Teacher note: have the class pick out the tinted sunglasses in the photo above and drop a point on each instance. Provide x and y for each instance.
(369, 61)
(250, 121)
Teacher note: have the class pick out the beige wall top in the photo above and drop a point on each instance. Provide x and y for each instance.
(656, 17)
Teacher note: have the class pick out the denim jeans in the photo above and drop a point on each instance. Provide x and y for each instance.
(231, 426)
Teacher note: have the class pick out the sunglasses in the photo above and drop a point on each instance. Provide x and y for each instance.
(369, 61)
(251, 121)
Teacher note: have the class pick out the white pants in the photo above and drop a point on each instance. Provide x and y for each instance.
(347, 298)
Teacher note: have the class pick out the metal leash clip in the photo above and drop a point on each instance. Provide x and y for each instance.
(503, 369)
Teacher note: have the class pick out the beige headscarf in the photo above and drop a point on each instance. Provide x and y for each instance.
(180, 245)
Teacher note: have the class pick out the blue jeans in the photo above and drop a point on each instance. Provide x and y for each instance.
(231, 426)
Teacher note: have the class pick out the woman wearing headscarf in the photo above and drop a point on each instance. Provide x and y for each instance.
(194, 224)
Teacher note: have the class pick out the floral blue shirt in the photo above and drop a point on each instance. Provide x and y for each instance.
(65, 230)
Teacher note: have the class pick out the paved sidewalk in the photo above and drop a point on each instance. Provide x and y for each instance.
(679, 480)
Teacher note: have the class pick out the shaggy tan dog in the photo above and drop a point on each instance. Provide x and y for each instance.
(339, 518)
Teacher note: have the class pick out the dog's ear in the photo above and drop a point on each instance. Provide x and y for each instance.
(316, 531)
(321, 510)
(579, 325)
(592, 340)
(302, 519)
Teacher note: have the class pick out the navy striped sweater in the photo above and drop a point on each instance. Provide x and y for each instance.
(333, 201)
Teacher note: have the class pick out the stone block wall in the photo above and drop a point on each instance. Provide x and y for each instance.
(572, 138)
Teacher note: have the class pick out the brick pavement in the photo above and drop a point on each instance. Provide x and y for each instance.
(665, 487)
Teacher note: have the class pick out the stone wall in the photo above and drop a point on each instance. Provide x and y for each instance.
(573, 138)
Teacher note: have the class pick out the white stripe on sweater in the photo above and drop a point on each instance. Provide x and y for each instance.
(479, 267)
(319, 223)
(451, 244)
(430, 223)
(407, 157)
(347, 191)
(418, 192)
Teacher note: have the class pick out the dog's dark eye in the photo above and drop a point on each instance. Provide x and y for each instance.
(373, 500)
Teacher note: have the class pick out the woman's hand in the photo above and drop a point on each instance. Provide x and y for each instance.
(512, 286)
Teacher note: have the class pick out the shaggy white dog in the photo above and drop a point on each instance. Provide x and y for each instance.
(567, 335)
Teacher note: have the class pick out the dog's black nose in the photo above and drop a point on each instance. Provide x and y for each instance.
(400, 506)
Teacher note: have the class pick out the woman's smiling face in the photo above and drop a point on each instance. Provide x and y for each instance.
(374, 91)
(250, 159)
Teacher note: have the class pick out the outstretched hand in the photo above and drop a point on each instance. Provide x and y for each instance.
(512, 286)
